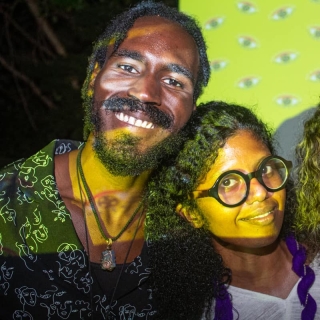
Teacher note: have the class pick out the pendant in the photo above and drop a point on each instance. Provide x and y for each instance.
(108, 257)
(108, 260)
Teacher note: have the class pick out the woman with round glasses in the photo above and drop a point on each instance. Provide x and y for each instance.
(230, 252)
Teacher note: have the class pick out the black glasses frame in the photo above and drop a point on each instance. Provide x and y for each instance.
(213, 191)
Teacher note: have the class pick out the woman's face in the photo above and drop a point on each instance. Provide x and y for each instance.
(255, 223)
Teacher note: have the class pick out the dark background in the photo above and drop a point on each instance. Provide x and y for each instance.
(44, 49)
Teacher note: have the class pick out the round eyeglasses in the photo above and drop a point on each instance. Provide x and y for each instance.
(232, 187)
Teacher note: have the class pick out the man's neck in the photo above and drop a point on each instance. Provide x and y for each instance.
(115, 198)
(100, 178)
(103, 185)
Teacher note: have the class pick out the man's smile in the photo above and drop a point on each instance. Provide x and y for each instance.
(153, 116)
(134, 121)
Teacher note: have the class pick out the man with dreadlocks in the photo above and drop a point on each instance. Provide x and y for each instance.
(72, 240)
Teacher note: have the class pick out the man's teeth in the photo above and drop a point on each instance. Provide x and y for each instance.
(133, 121)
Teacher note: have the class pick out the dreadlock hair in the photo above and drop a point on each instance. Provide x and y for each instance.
(187, 273)
(116, 33)
(308, 184)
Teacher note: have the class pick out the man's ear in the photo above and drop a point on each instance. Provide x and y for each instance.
(195, 220)
(94, 74)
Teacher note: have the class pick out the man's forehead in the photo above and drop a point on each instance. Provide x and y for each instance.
(150, 25)
(152, 30)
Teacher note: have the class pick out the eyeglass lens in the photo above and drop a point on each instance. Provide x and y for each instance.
(232, 188)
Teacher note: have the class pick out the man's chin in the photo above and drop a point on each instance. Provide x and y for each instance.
(120, 165)
(122, 156)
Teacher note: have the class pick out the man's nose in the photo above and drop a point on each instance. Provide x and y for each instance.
(146, 88)
(257, 192)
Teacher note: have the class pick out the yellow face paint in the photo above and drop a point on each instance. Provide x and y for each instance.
(259, 219)
(93, 76)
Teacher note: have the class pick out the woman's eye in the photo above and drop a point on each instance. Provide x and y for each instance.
(128, 68)
(267, 170)
(173, 82)
(229, 182)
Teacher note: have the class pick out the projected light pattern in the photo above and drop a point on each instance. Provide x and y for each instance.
(262, 53)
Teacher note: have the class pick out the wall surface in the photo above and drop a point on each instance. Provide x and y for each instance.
(265, 55)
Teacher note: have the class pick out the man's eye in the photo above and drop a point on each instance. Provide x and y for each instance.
(128, 68)
(173, 82)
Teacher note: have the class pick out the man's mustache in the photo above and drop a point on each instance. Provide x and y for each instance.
(157, 116)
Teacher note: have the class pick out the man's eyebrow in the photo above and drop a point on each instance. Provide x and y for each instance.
(180, 69)
(129, 54)
(174, 67)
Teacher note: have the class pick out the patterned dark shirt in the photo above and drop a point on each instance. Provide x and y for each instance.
(44, 269)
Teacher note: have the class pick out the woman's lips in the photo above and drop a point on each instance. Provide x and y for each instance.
(261, 219)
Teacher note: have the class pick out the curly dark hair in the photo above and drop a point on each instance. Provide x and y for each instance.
(187, 273)
(117, 32)
(308, 184)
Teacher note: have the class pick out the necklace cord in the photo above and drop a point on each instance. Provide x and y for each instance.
(125, 260)
(86, 235)
(80, 176)
(93, 205)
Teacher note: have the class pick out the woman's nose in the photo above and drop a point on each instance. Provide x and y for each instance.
(257, 192)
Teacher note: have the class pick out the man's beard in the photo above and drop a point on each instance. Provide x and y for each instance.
(122, 155)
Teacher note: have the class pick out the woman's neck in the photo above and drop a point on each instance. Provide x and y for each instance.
(266, 270)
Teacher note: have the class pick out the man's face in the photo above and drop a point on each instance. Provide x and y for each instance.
(156, 68)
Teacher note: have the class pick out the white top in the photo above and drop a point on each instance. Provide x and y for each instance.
(250, 305)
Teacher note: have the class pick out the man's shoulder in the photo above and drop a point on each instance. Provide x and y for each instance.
(40, 163)
(62, 146)
(55, 147)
